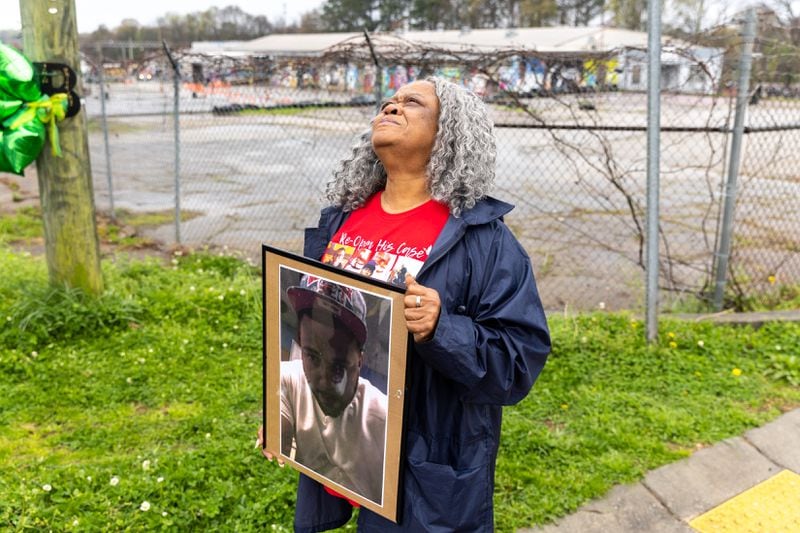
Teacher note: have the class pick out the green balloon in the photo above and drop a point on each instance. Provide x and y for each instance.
(8, 108)
(17, 77)
(22, 145)
(5, 166)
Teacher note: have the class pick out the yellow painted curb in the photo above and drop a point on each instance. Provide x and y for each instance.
(772, 506)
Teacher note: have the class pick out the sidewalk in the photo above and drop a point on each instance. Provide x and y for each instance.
(747, 484)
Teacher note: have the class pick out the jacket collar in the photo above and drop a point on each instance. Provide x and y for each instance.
(485, 211)
(317, 239)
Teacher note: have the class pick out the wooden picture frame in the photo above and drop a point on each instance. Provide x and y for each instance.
(333, 408)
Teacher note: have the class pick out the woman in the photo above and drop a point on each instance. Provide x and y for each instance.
(416, 187)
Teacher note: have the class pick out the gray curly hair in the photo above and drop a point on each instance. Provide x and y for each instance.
(462, 164)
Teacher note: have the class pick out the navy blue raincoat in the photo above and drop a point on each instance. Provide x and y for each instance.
(490, 344)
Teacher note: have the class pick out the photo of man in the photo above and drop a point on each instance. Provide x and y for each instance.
(333, 420)
(340, 257)
(359, 259)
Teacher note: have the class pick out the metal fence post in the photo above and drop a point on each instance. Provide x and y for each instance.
(102, 82)
(653, 164)
(729, 196)
(176, 84)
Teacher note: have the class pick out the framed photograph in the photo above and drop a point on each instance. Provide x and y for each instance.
(334, 377)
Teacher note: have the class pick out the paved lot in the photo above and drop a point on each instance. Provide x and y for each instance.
(580, 195)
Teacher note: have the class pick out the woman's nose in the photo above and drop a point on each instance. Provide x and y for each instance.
(391, 109)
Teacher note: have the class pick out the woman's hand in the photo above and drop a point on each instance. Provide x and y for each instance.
(265, 453)
(422, 308)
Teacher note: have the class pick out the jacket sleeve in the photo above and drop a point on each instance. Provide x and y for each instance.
(496, 342)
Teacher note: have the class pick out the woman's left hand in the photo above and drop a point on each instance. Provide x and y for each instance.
(422, 308)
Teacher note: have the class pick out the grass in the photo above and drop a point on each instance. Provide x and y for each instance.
(25, 227)
(164, 368)
(288, 110)
(22, 227)
(115, 126)
(278, 111)
(152, 218)
(152, 392)
(607, 408)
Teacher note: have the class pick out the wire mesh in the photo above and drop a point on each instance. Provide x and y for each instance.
(766, 247)
(260, 137)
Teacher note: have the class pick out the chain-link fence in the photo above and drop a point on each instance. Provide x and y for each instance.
(259, 137)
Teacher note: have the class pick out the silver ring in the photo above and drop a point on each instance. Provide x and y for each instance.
(419, 301)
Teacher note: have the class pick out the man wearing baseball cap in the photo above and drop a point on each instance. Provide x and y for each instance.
(332, 419)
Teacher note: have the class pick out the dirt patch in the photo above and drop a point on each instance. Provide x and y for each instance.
(115, 237)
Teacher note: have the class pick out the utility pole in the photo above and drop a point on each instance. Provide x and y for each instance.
(50, 34)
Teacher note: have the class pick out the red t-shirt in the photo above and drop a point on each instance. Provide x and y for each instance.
(386, 246)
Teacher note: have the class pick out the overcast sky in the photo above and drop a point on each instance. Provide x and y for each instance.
(92, 13)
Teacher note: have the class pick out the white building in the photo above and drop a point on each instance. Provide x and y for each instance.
(534, 59)
(694, 70)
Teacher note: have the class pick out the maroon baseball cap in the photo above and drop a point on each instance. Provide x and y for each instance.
(345, 303)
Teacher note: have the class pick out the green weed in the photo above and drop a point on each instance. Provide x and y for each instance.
(46, 313)
(152, 218)
(784, 367)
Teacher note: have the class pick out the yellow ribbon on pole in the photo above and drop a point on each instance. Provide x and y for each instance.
(49, 110)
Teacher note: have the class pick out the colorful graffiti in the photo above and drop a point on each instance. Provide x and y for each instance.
(521, 75)
(600, 73)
